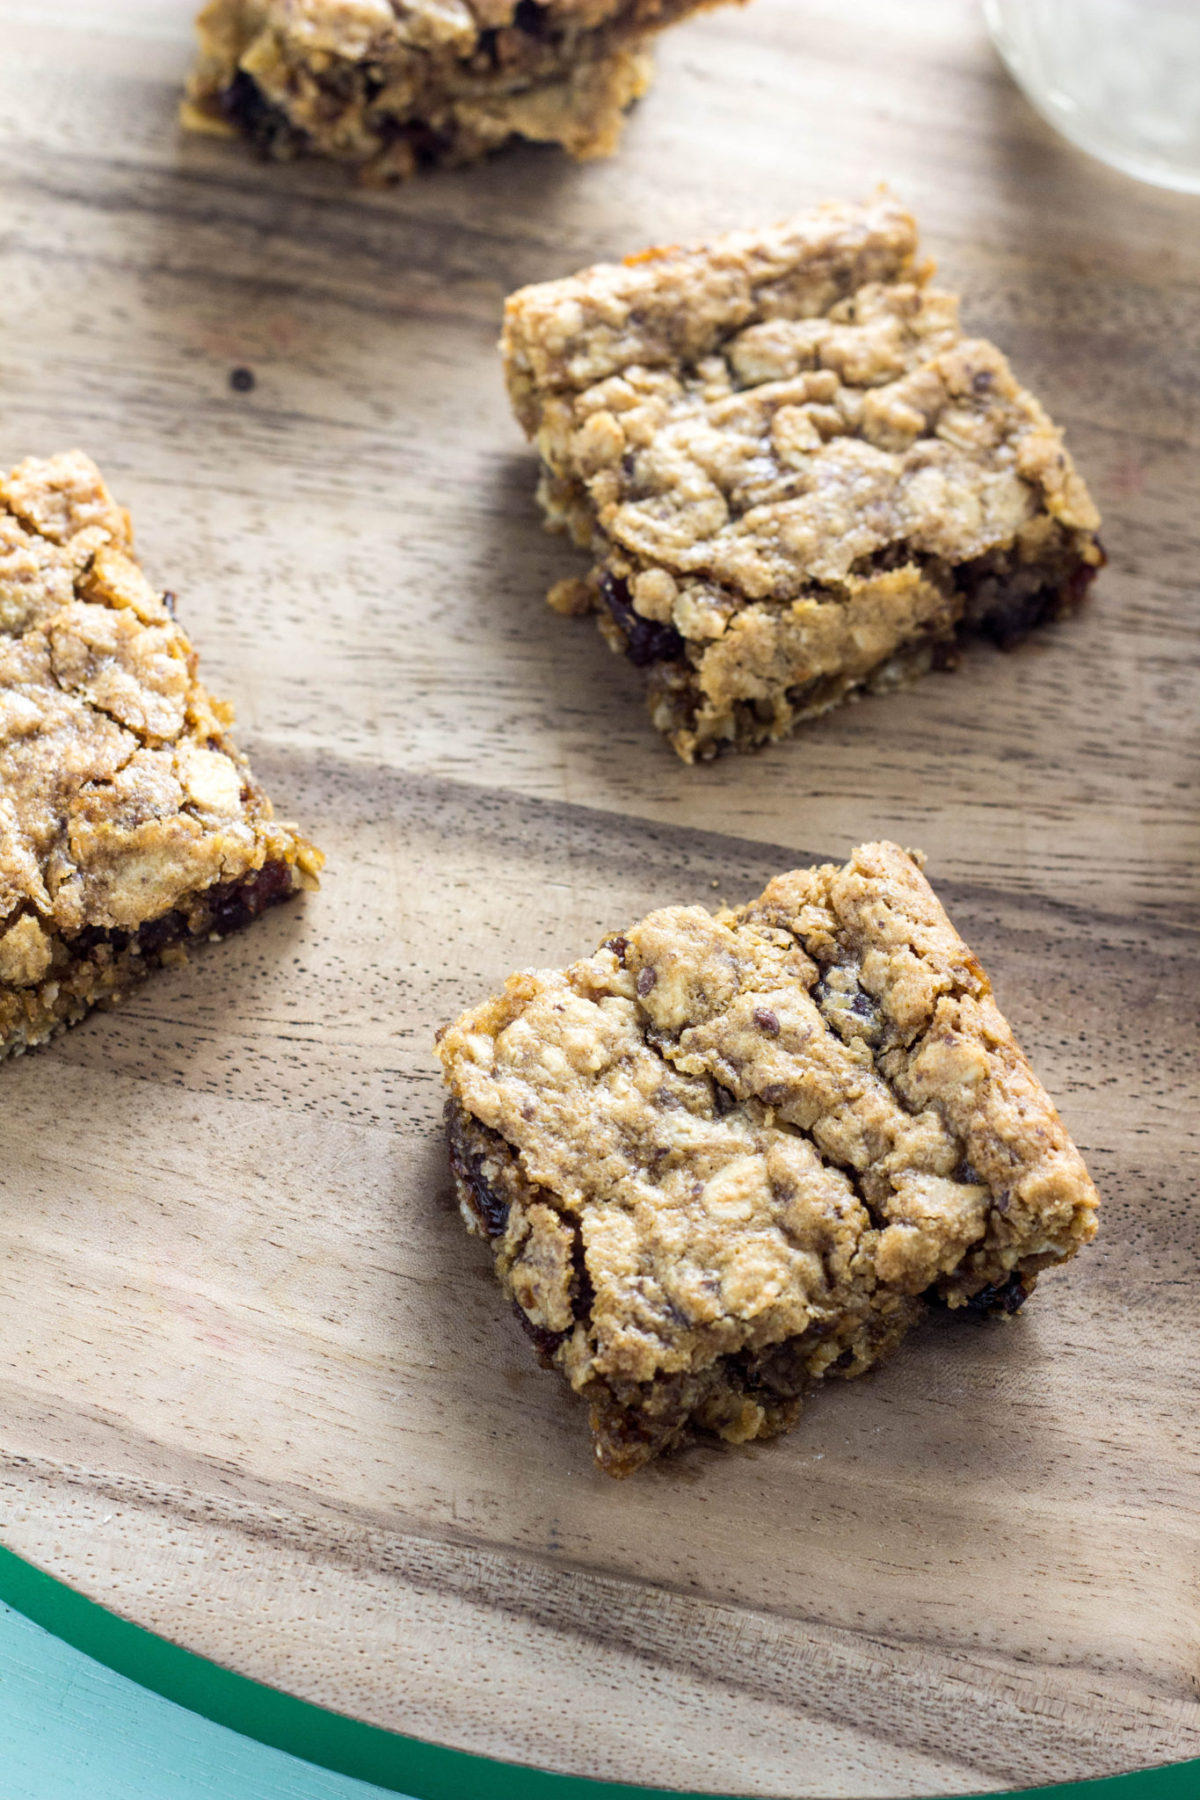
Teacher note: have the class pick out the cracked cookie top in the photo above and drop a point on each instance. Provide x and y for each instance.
(120, 792)
(774, 411)
(752, 1123)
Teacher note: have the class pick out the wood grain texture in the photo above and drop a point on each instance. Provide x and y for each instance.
(257, 1389)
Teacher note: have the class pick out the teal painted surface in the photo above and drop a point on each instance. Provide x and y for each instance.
(72, 1730)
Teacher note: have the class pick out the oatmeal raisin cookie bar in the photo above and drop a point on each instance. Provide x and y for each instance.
(388, 85)
(129, 824)
(795, 475)
(729, 1156)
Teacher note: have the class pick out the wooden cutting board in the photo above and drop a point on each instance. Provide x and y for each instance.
(258, 1391)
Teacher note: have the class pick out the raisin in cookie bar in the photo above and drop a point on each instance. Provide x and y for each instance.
(795, 475)
(129, 824)
(387, 85)
(729, 1155)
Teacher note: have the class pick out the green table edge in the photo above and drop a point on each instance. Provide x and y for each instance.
(390, 1760)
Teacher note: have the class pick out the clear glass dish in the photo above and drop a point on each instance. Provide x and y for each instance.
(1120, 78)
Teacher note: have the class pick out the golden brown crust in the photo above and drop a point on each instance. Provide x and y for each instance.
(794, 473)
(123, 802)
(388, 86)
(770, 1133)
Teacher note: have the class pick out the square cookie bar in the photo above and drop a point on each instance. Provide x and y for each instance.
(729, 1155)
(129, 824)
(388, 85)
(796, 477)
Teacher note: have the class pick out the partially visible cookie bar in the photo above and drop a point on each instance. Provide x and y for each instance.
(796, 477)
(388, 85)
(728, 1156)
(129, 824)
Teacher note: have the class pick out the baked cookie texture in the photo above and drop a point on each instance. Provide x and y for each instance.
(796, 477)
(390, 85)
(730, 1155)
(129, 824)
